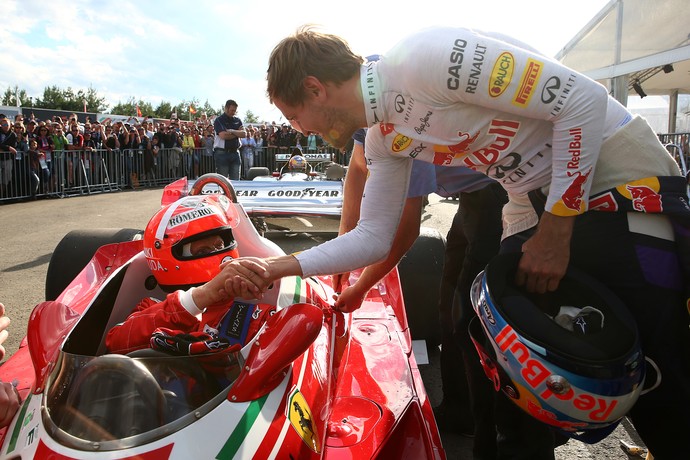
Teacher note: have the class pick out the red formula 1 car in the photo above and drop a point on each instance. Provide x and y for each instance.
(310, 384)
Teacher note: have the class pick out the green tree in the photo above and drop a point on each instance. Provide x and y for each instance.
(249, 117)
(183, 111)
(11, 94)
(53, 98)
(209, 110)
(94, 102)
(146, 108)
(164, 110)
(129, 108)
(67, 99)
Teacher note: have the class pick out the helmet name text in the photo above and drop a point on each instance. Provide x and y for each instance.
(189, 216)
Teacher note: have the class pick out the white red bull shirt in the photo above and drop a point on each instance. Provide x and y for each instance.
(457, 97)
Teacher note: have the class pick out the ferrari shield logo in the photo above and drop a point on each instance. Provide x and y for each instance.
(301, 420)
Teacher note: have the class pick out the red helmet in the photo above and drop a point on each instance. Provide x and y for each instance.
(172, 232)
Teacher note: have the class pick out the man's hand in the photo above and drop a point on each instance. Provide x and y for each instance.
(350, 299)
(249, 277)
(546, 254)
(338, 281)
(244, 277)
(9, 403)
(9, 397)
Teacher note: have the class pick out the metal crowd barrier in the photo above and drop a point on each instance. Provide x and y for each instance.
(678, 145)
(78, 172)
(86, 172)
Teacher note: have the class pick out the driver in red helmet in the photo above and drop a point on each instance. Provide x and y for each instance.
(187, 244)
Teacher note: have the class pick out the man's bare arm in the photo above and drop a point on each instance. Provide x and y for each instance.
(408, 231)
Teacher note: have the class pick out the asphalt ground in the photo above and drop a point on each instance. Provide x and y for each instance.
(31, 230)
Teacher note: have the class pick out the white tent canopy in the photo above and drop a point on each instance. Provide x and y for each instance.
(633, 45)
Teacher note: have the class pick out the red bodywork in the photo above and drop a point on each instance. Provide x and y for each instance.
(360, 379)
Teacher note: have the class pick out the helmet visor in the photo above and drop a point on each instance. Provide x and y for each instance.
(205, 244)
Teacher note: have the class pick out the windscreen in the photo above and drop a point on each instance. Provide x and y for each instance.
(111, 398)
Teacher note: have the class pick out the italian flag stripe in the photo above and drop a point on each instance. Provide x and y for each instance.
(235, 440)
(298, 290)
(18, 425)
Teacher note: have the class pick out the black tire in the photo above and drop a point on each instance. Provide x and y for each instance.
(257, 172)
(421, 271)
(335, 172)
(75, 250)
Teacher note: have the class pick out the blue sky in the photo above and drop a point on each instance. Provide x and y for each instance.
(216, 50)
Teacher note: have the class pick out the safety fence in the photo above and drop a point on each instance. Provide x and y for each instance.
(85, 172)
(677, 145)
(67, 173)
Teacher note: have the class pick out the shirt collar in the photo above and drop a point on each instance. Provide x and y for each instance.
(371, 93)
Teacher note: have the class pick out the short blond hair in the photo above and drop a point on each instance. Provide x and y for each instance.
(308, 53)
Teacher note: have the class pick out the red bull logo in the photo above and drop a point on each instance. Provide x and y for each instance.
(504, 132)
(644, 198)
(443, 158)
(464, 145)
(574, 148)
(572, 197)
(534, 373)
(444, 154)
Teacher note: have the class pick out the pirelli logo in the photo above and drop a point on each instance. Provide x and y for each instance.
(528, 83)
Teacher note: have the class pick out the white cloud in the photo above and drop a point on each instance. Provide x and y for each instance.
(213, 51)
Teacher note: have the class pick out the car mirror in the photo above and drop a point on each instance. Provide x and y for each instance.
(49, 324)
(285, 336)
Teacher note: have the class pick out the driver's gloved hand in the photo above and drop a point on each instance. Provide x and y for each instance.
(181, 343)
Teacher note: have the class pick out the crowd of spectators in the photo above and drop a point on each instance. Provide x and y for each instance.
(29, 147)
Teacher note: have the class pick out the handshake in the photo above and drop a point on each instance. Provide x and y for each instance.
(246, 278)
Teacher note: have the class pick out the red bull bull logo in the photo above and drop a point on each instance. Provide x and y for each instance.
(444, 154)
(464, 145)
(572, 197)
(443, 158)
(644, 198)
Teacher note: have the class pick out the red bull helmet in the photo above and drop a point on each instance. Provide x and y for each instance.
(186, 241)
(569, 358)
(297, 164)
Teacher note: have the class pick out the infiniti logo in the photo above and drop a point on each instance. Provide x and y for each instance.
(550, 90)
(399, 103)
